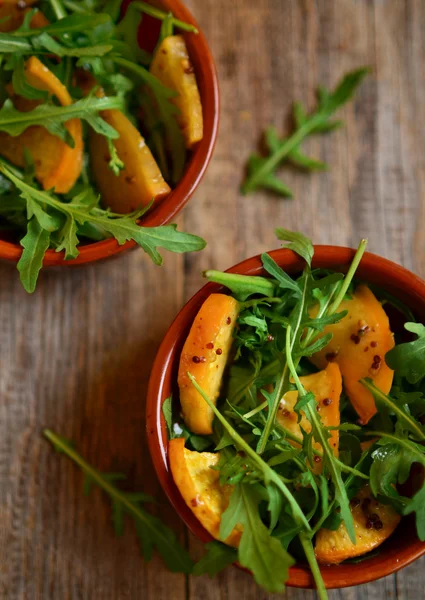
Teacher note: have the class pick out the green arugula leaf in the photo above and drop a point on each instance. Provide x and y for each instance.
(296, 157)
(408, 359)
(21, 85)
(45, 42)
(302, 161)
(83, 210)
(261, 170)
(68, 236)
(242, 286)
(258, 551)
(150, 530)
(218, 557)
(285, 282)
(70, 24)
(417, 506)
(167, 411)
(152, 11)
(9, 45)
(392, 463)
(35, 243)
(406, 420)
(297, 242)
(270, 181)
(388, 462)
(15, 122)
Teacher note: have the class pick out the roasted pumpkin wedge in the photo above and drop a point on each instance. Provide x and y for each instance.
(199, 485)
(373, 522)
(359, 344)
(140, 181)
(326, 386)
(205, 355)
(57, 165)
(172, 66)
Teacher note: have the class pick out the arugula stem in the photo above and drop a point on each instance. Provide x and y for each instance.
(349, 277)
(312, 561)
(324, 442)
(264, 467)
(58, 9)
(75, 7)
(348, 482)
(157, 87)
(258, 409)
(115, 494)
(283, 381)
(152, 11)
(286, 148)
(409, 423)
(16, 122)
(271, 367)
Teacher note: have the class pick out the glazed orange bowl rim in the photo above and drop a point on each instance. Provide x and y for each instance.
(197, 164)
(399, 550)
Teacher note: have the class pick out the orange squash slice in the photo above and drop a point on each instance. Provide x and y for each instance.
(373, 522)
(326, 386)
(205, 355)
(199, 485)
(140, 181)
(57, 165)
(359, 344)
(172, 66)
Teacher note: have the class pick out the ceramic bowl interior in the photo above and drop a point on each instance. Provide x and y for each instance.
(403, 546)
(168, 208)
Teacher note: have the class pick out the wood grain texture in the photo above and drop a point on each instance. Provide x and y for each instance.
(76, 355)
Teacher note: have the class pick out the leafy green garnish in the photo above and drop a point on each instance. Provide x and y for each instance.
(34, 244)
(297, 242)
(218, 557)
(148, 9)
(409, 359)
(152, 532)
(15, 122)
(64, 219)
(258, 550)
(392, 464)
(403, 416)
(92, 54)
(262, 170)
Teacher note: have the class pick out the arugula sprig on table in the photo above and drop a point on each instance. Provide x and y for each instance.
(150, 530)
(262, 169)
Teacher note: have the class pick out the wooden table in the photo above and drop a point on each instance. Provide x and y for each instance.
(76, 355)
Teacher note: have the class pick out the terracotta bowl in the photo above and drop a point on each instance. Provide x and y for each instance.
(403, 546)
(168, 208)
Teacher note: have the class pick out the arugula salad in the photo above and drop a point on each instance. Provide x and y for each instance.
(93, 128)
(300, 417)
